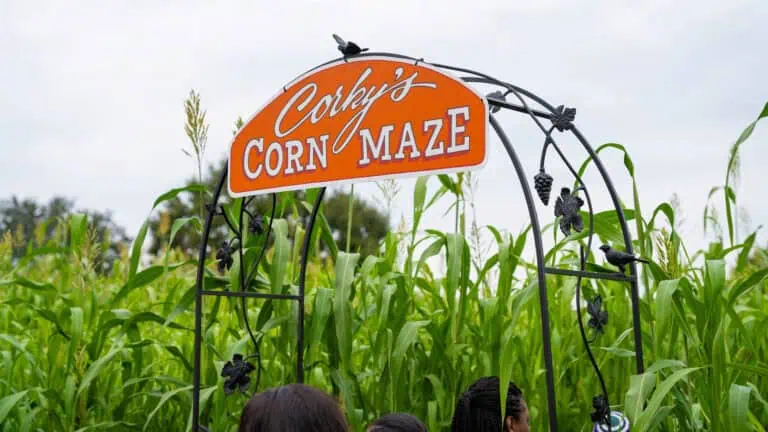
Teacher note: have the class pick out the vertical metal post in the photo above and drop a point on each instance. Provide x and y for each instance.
(543, 301)
(302, 284)
(199, 304)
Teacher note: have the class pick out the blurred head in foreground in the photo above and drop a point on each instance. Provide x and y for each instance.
(397, 422)
(292, 408)
(479, 409)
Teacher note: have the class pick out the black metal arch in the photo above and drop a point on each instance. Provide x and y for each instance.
(562, 120)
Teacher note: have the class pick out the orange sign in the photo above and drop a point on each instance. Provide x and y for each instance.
(364, 119)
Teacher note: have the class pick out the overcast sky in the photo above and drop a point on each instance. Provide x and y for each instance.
(91, 101)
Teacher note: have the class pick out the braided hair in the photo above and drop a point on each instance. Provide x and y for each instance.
(479, 408)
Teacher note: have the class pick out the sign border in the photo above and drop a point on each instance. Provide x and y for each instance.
(413, 174)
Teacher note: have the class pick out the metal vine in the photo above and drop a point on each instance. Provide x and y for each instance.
(567, 208)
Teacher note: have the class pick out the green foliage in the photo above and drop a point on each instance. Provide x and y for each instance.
(196, 129)
(385, 331)
(732, 175)
(36, 228)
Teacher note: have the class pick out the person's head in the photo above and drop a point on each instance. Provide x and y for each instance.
(292, 408)
(397, 422)
(479, 409)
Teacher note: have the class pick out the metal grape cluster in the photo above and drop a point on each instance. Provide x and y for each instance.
(542, 182)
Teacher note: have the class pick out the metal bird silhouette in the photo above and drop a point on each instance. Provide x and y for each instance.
(567, 208)
(619, 258)
(348, 48)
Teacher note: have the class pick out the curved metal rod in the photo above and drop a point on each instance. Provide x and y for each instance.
(491, 80)
(519, 93)
(582, 257)
(481, 76)
(365, 54)
(302, 283)
(549, 140)
(635, 297)
(634, 294)
(255, 265)
(592, 360)
(582, 262)
(542, 281)
(544, 149)
(582, 265)
(583, 187)
(229, 223)
(199, 301)
(246, 280)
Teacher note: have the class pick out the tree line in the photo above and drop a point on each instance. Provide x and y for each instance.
(33, 223)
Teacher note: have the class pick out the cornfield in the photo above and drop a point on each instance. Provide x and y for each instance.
(85, 351)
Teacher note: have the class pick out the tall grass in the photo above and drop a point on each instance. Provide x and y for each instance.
(82, 351)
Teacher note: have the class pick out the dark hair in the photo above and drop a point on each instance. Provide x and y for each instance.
(479, 408)
(397, 422)
(292, 408)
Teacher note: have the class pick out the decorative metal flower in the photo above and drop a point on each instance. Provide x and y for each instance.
(542, 182)
(224, 257)
(598, 317)
(256, 225)
(563, 118)
(237, 370)
(567, 208)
